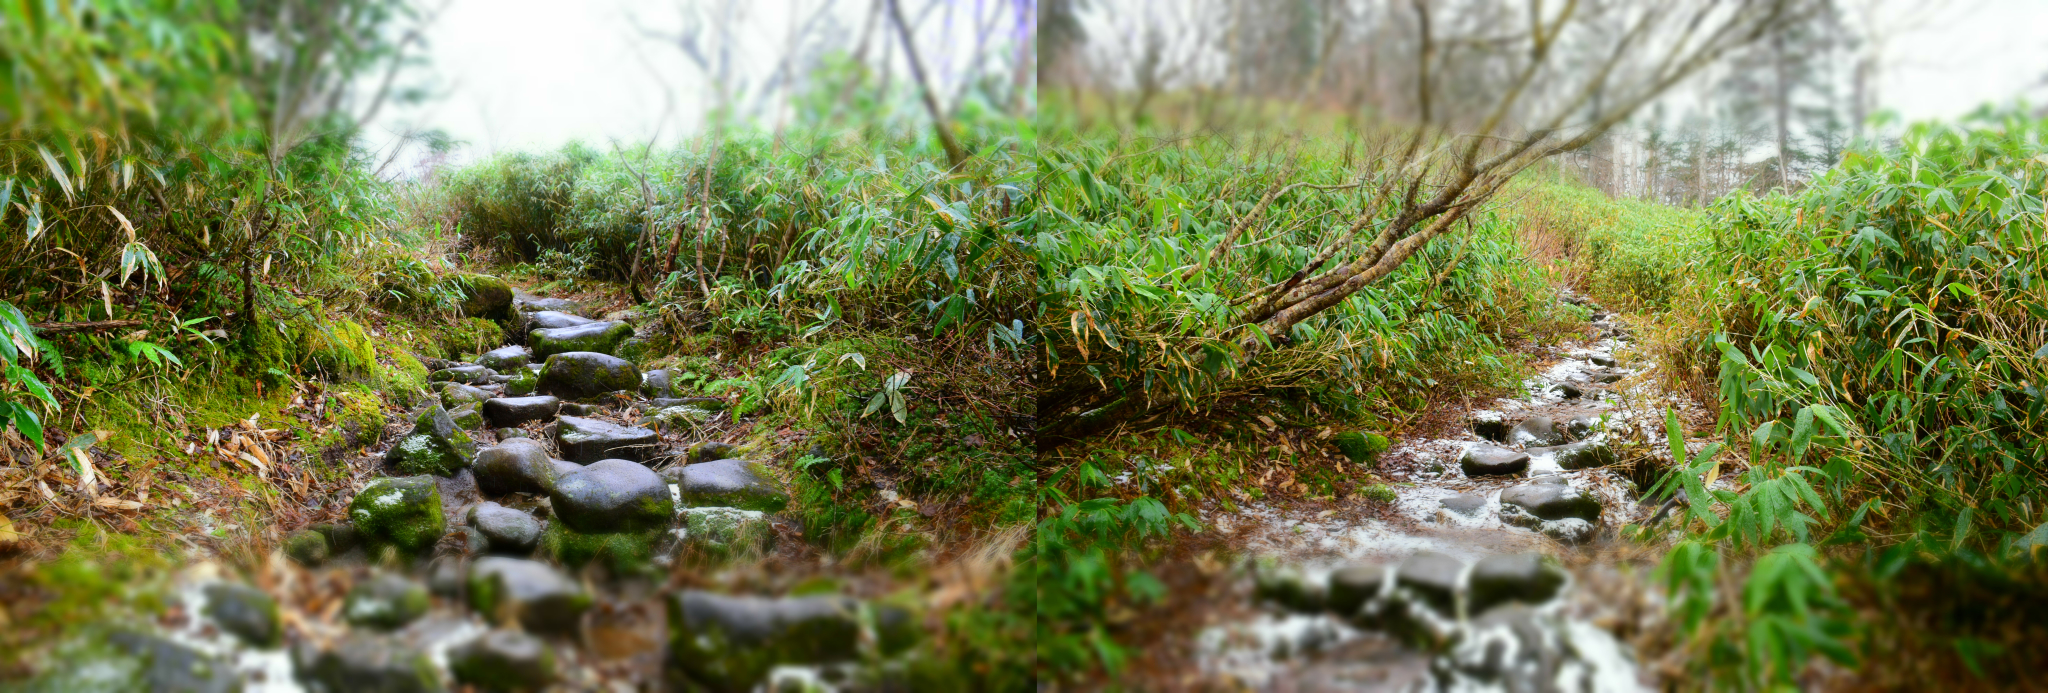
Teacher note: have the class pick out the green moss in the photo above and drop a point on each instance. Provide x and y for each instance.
(483, 296)
(355, 420)
(626, 553)
(401, 513)
(470, 335)
(404, 377)
(1361, 447)
(340, 349)
(1379, 493)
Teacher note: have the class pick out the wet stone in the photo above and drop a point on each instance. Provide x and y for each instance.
(504, 359)
(505, 530)
(1581, 426)
(467, 417)
(1433, 577)
(583, 374)
(503, 660)
(531, 593)
(506, 412)
(518, 465)
(1537, 431)
(712, 450)
(1352, 586)
(436, 445)
(732, 483)
(1489, 460)
(1607, 377)
(577, 409)
(554, 319)
(400, 512)
(524, 381)
(308, 547)
(372, 663)
(730, 643)
(613, 496)
(1550, 501)
(341, 537)
(564, 467)
(484, 295)
(462, 374)
(1566, 391)
(385, 602)
(1467, 504)
(457, 394)
(598, 337)
(1581, 455)
(247, 612)
(1359, 446)
(1527, 578)
(1570, 530)
(657, 383)
(1602, 360)
(446, 575)
(587, 440)
(704, 403)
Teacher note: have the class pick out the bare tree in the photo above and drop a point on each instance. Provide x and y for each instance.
(1496, 86)
(955, 154)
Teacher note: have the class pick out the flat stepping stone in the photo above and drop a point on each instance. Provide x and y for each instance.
(1352, 586)
(1554, 509)
(585, 374)
(731, 483)
(518, 465)
(247, 612)
(1490, 425)
(554, 319)
(461, 374)
(458, 394)
(1536, 431)
(369, 662)
(505, 358)
(1433, 577)
(530, 593)
(1467, 504)
(1585, 454)
(436, 445)
(505, 530)
(722, 534)
(511, 412)
(162, 665)
(585, 440)
(1492, 460)
(610, 496)
(599, 337)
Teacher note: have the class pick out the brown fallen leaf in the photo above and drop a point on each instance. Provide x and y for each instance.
(8, 538)
(117, 504)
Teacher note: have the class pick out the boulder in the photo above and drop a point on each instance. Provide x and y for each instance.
(624, 553)
(530, 593)
(582, 374)
(247, 612)
(613, 496)
(586, 440)
(1289, 586)
(553, 319)
(518, 465)
(1581, 426)
(524, 381)
(1549, 501)
(399, 512)
(436, 445)
(564, 467)
(657, 383)
(712, 450)
(503, 661)
(308, 547)
(374, 663)
(1570, 530)
(1360, 447)
(505, 530)
(1605, 360)
(511, 412)
(1566, 391)
(1489, 460)
(1467, 504)
(385, 602)
(722, 534)
(462, 374)
(598, 337)
(728, 483)
(1537, 431)
(681, 417)
(727, 643)
(484, 296)
(341, 537)
(1585, 454)
(1352, 586)
(457, 394)
(505, 359)
(1527, 578)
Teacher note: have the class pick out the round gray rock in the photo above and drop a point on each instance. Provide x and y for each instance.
(613, 496)
(508, 412)
(1433, 577)
(587, 440)
(1526, 578)
(1493, 460)
(731, 483)
(531, 593)
(1551, 501)
(505, 358)
(518, 465)
(581, 374)
(385, 602)
(506, 530)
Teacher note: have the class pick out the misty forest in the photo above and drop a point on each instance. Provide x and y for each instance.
(1022, 345)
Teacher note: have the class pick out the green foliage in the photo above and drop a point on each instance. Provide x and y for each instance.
(1082, 560)
(21, 393)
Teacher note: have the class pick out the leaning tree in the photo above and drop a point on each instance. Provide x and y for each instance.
(1486, 89)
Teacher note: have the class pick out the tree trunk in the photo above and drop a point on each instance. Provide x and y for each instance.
(955, 155)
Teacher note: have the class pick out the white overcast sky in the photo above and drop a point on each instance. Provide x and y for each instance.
(533, 74)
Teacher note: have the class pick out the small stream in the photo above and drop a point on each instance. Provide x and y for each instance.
(1465, 585)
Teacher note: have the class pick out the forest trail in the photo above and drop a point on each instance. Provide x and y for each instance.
(518, 534)
(1489, 568)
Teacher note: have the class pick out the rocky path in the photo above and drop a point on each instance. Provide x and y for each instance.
(520, 537)
(1490, 573)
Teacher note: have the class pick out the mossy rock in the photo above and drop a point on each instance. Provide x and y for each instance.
(524, 382)
(403, 377)
(730, 643)
(597, 337)
(625, 553)
(403, 513)
(1361, 447)
(581, 375)
(308, 547)
(385, 602)
(340, 349)
(467, 417)
(503, 661)
(469, 336)
(356, 420)
(483, 296)
(436, 445)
